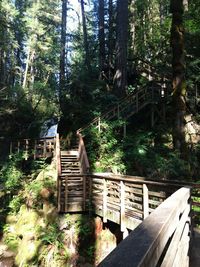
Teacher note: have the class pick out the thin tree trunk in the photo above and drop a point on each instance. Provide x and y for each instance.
(26, 69)
(102, 53)
(120, 78)
(179, 81)
(63, 51)
(85, 36)
(110, 41)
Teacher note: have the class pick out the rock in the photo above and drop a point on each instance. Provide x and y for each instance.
(98, 225)
(10, 219)
(6, 256)
(45, 193)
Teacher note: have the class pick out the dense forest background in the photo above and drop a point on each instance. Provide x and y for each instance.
(66, 63)
(69, 61)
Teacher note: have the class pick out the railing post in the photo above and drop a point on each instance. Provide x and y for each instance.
(90, 195)
(66, 194)
(122, 206)
(99, 124)
(35, 150)
(145, 201)
(58, 167)
(84, 192)
(11, 147)
(124, 130)
(26, 149)
(45, 148)
(104, 201)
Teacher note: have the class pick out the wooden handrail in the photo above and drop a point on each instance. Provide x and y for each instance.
(122, 105)
(161, 240)
(58, 161)
(58, 167)
(82, 155)
(42, 147)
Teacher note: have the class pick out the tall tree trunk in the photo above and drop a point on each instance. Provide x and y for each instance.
(110, 40)
(102, 53)
(179, 81)
(85, 36)
(63, 52)
(120, 78)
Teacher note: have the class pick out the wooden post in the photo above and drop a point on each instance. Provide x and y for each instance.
(84, 192)
(26, 149)
(90, 195)
(122, 206)
(104, 201)
(35, 149)
(66, 193)
(145, 201)
(59, 193)
(99, 124)
(124, 130)
(11, 147)
(45, 148)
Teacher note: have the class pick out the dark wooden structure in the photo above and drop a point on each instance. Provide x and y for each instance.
(36, 148)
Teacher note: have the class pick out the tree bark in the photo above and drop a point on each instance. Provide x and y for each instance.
(85, 36)
(63, 51)
(111, 38)
(102, 53)
(120, 78)
(179, 81)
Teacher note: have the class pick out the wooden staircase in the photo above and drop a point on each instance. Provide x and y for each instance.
(72, 163)
(131, 105)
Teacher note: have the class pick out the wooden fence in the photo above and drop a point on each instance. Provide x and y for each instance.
(161, 240)
(38, 148)
(125, 200)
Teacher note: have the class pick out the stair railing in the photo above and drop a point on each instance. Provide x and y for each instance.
(38, 148)
(58, 168)
(138, 99)
(82, 154)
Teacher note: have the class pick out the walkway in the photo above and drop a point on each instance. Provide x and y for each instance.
(195, 249)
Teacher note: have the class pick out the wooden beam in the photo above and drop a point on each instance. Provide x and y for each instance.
(122, 206)
(104, 201)
(145, 201)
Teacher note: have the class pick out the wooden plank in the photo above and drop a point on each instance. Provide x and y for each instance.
(174, 244)
(66, 193)
(144, 246)
(58, 197)
(145, 201)
(181, 258)
(104, 201)
(122, 206)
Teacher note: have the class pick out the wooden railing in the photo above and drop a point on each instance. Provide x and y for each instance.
(38, 148)
(82, 155)
(161, 240)
(126, 200)
(58, 168)
(127, 107)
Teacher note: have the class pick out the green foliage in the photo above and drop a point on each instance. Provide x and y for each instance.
(11, 173)
(105, 147)
(50, 235)
(16, 203)
(150, 154)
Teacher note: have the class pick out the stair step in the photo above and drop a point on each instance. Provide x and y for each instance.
(69, 153)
